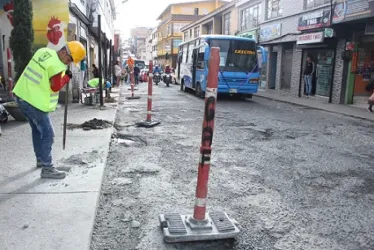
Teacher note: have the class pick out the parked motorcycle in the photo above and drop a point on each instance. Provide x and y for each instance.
(167, 79)
(157, 78)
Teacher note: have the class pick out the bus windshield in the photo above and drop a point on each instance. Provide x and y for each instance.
(236, 55)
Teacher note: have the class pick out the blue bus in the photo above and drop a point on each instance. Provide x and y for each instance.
(240, 64)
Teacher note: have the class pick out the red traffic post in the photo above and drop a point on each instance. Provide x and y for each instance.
(148, 123)
(202, 226)
(132, 97)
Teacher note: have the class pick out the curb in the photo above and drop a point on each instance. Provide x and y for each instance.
(317, 108)
(102, 179)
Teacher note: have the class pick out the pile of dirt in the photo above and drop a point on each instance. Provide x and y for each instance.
(110, 100)
(91, 124)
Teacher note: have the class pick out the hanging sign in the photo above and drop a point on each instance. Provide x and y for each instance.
(314, 20)
(316, 37)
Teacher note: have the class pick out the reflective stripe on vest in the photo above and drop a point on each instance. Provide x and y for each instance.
(34, 85)
(32, 75)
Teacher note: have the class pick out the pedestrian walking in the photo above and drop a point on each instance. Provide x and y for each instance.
(136, 74)
(3, 83)
(37, 93)
(95, 71)
(118, 73)
(308, 75)
(370, 88)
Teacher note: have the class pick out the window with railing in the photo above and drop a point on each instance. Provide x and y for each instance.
(186, 36)
(168, 30)
(226, 24)
(196, 32)
(310, 4)
(249, 18)
(209, 29)
(176, 43)
(178, 26)
(274, 8)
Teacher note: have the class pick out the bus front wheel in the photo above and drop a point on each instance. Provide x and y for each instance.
(182, 87)
(199, 91)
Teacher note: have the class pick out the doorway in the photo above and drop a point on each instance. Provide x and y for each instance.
(323, 74)
(365, 69)
(273, 70)
(287, 58)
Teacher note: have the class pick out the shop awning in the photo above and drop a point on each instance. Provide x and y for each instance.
(291, 37)
(76, 11)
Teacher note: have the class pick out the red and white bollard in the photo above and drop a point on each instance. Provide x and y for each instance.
(10, 87)
(201, 225)
(132, 97)
(148, 123)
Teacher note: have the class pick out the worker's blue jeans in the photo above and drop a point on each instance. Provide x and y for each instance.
(42, 132)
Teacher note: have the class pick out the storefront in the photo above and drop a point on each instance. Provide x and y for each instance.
(267, 34)
(320, 45)
(354, 19)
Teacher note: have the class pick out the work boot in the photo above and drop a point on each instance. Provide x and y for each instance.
(52, 173)
(38, 164)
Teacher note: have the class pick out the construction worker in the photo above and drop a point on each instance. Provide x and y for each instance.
(37, 93)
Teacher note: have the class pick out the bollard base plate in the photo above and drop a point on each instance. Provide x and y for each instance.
(148, 124)
(183, 228)
(133, 97)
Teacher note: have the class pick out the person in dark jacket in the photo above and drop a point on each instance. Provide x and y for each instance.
(95, 71)
(136, 74)
(370, 88)
(308, 75)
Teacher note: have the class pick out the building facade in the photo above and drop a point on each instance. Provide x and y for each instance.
(154, 45)
(138, 41)
(337, 35)
(172, 20)
(66, 20)
(148, 49)
(219, 21)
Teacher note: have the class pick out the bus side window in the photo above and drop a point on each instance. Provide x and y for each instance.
(184, 53)
(200, 61)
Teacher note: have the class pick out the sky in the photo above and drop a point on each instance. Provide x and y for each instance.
(140, 13)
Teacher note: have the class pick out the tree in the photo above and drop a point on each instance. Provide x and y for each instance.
(22, 36)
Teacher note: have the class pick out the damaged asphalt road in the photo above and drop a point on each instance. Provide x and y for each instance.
(294, 178)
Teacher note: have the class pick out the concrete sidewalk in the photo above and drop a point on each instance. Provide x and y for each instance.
(53, 214)
(334, 108)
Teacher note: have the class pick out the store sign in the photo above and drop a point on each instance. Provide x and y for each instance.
(314, 20)
(349, 46)
(348, 10)
(316, 37)
(270, 31)
(329, 33)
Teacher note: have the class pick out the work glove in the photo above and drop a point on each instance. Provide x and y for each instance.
(69, 74)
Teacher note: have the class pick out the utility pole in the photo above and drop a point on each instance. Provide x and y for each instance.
(100, 63)
(105, 58)
(110, 61)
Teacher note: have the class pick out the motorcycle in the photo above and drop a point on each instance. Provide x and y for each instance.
(157, 78)
(167, 79)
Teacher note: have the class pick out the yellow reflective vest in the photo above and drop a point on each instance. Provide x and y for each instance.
(95, 82)
(34, 84)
